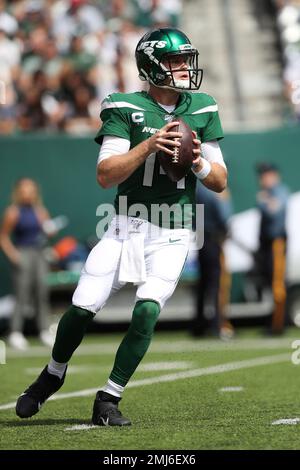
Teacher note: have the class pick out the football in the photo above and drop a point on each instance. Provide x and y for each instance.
(178, 165)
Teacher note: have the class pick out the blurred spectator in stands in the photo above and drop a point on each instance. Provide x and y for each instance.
(265, 12)
(116, 9)
(110, 77)
(10, 55)
(213, 287)
(8, 109)
(7, 22)
(79, 59)
(288, 21)
(128, 38)
(78, 17)
(272, 200)
(83, 116)
(31, 115)
(48, 48)
(32, 16)
(291, 76)
(22, 239)
(149, 12)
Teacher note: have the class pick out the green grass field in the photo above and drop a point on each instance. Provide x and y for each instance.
(174, 399)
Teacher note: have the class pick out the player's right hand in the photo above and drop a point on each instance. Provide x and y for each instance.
(165, 138)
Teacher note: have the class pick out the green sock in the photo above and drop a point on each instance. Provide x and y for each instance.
(70, 331)
(136, 341)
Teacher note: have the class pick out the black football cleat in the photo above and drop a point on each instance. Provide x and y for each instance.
(30, 402)
(106, 412)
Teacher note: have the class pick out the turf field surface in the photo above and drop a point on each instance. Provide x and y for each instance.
(187, 394)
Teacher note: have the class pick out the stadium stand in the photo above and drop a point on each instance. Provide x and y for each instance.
(241, 60)
(59, 58)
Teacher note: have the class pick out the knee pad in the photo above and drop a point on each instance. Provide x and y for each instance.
(144, 317)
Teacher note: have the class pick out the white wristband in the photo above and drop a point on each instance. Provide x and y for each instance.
(205, 170)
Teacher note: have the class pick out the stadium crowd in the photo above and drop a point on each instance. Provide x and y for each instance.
(288, 21)
(59, 58)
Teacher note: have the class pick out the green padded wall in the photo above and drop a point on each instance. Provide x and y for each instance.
(65, 169)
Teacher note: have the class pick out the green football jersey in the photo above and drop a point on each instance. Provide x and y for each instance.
(135, 117)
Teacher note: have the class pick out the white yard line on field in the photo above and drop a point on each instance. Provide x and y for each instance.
(146, 367)
(289, 421)
(218, 369)
(86, 427)
(165, 365)
(231, 389)
(82, 369)
(81, 427)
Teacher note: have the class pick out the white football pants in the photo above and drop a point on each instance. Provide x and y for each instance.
(132, 250)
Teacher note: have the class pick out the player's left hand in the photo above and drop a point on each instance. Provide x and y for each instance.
(197, 162)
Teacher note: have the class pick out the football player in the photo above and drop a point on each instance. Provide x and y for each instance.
(134, 128)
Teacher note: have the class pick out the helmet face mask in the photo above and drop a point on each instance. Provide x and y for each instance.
(154, 54)
(195, 74)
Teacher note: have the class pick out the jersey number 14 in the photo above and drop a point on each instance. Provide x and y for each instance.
(149, 172)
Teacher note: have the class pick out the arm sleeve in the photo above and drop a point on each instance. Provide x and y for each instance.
(112, 145)
(211, 152)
